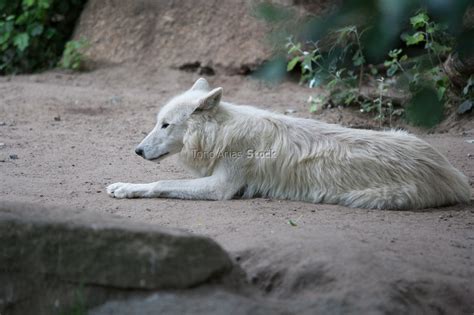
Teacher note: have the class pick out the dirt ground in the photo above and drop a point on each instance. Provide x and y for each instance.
(73, 134)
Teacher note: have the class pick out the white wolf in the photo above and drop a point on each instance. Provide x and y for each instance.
(244, 151)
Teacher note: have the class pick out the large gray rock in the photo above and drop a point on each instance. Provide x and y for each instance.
(58, 246)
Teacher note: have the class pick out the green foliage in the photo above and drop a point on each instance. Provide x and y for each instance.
(428, 33)
(342, 70)
(393, 65)
(355, 49)
(73, 57)
(33, 32)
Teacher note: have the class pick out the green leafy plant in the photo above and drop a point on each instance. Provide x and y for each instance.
(393, 65)
(342, 70)
(73, 57)
(429, 34)
(33, 33)
(426, 74)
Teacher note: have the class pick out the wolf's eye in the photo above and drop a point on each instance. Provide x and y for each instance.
(164, 126)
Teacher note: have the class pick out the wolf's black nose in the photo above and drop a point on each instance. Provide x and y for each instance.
(139, 151)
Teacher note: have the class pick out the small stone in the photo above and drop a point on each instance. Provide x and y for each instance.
(2, 145)
(2, 123)
(57, 118)
(470, 141)
(13, 156)
(98, 191)
(290, 111)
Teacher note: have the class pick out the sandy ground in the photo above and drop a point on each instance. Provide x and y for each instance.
(75, 134)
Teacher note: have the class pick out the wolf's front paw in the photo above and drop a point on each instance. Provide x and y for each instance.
(119, 190)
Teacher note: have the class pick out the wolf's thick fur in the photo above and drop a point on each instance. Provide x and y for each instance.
(243, 150)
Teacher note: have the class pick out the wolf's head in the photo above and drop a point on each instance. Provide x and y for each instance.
(172, 121)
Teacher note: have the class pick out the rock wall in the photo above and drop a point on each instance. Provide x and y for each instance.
(215, 34)
(203, 34)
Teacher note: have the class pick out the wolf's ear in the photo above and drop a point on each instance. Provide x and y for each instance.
(211, 100)
(201, 84)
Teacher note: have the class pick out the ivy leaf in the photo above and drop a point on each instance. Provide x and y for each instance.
(44, 4)
(28, 3)
(440, 91)
(414, 39)
(22, 19)
(21, 41)
(291, 65)
(394, 53)
(4, 38)
(294, 48)
(419, 20)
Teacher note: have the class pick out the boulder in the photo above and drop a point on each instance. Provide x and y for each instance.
(78, 247)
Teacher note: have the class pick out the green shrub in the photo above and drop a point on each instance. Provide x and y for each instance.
(342, 68)
(33, 33)
(386, 57)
